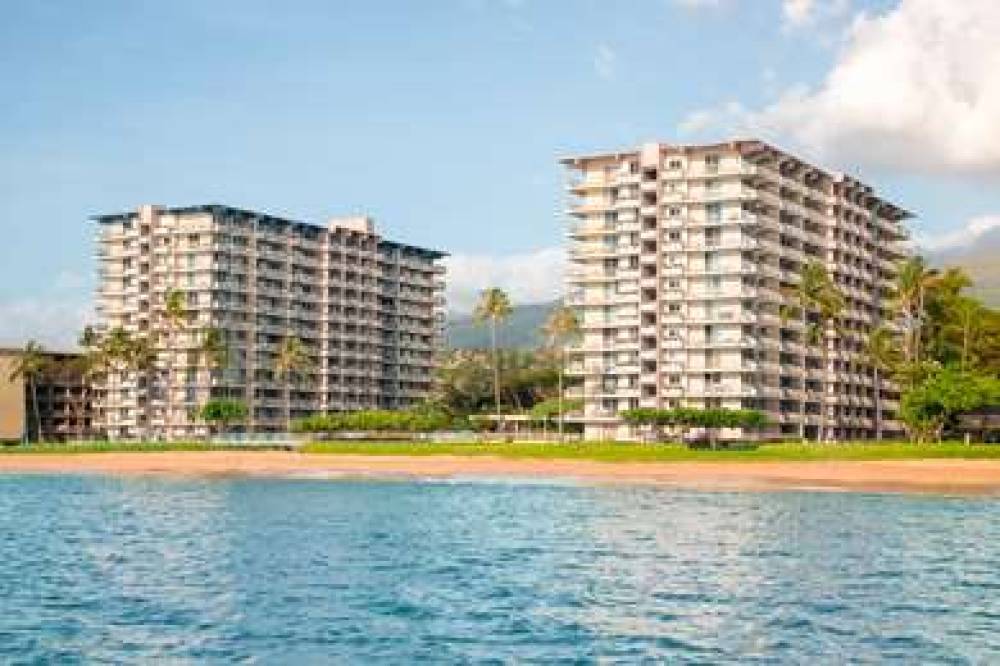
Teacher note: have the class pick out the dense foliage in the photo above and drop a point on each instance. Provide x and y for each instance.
(464, 381)
(696, 418)
(683, 418)
(933, 403)
(221, 412)
(946, 355)
(379, 420)
(551, 407)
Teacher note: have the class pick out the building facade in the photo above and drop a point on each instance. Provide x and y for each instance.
(684, 260)
(56, 409)
(367, 311)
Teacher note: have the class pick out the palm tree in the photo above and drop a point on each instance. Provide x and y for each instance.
(968, 315)
(213, 349)
(174, 316)
(92, 363)
(883, 356)
(140, 357)
(214, 352)
(561, 327)
(913, 279)
(115, 350)
(31, 363)
(494, 306)
(817, 293)
(292, 360)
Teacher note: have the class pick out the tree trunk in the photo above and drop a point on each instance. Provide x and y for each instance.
(169, 416)
(822, 409)
(34, 406)
(878, 405)
(288, 406)
(805, 377)
(562, 368)
(496, 366)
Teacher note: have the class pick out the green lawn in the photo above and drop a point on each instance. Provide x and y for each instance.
(601, 451)
(612, 451)
(105, 447)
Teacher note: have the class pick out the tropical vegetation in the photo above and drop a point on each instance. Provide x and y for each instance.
(493, 307)
(220, 413)
(681, 419)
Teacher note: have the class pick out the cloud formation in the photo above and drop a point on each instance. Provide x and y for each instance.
(965, 237)
(529, 277)
(915, 88)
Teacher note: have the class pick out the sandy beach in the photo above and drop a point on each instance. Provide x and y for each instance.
(928, 476)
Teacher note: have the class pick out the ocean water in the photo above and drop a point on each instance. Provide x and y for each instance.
(126, 570)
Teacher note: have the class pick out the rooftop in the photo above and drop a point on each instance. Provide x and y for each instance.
(748, 146)
(222, 209)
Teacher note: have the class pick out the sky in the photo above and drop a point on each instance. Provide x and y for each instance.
(445, 119)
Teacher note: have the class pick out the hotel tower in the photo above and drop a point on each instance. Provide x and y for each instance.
(367, 311)
(683, 260)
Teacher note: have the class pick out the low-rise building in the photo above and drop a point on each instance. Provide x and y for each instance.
(56, 408)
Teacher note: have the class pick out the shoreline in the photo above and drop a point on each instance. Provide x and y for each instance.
(934, 476)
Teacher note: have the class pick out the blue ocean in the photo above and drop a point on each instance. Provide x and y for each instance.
(98, 569)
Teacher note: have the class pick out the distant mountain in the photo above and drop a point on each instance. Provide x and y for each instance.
(521, 330)
(981, 260)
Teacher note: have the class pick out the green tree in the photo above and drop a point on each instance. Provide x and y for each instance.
(29, 366)
(929, 406)
(884, 358)
(967, 316)
(561, 328)
(140, 358)
(494, 307)
(221, 412)
(291, 363)
(818, 295)
(174, 319)
(913, 279)
(214, 352)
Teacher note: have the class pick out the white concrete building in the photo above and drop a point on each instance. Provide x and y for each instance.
(682, 257)
(368, 311)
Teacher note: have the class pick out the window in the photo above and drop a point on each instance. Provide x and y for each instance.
(711, 261)
(674, 164)
(711, 162)
(674, 211)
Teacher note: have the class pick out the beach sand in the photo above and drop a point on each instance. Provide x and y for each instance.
(927, 476)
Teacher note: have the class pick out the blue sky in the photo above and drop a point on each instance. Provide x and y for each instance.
(443, 119)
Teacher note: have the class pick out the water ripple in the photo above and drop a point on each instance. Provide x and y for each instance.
(96, 569)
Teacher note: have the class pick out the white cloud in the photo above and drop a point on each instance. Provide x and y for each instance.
(530, 277)
(797, 12)
(605, 62)
(54, 323)
(915, 88)
(968, 235)
(803, 13)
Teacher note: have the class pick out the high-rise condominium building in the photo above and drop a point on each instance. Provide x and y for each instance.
(684, 264)
(367, 312)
